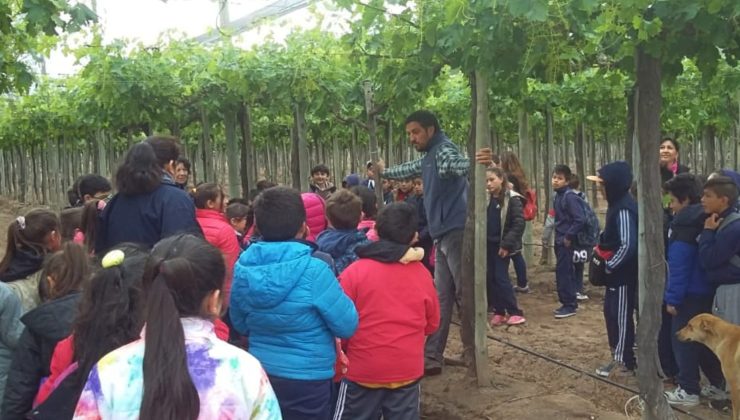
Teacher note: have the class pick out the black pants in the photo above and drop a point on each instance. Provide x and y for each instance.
(619, 307)
(691, 356)
(303, 400)
(665, 345)
(565, 276)
(356, 402)
(501, 297)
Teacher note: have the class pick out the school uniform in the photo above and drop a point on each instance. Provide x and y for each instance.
(569, 221)
(505, 230)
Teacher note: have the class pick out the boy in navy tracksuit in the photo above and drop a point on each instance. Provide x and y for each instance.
(618, 246)
(688, 293)
(719, 245)
(343, 210)
(569, 221)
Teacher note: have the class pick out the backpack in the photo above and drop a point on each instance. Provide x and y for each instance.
(530, 205)
(588, 237)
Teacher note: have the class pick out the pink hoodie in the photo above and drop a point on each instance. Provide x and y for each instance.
(315, 214)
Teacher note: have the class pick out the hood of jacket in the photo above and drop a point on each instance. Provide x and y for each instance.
(271, 270)
(336, 242)
(315, 214)
(53, 320)
(617, 177)
(731, 174)
(383, 251)
(22, 265)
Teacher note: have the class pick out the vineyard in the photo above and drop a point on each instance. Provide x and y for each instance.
(581, 82)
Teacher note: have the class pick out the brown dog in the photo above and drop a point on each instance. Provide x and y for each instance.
(723, 339)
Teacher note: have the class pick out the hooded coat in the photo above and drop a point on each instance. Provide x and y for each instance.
(219, 233)
(341, 245)
(315, 214)
(620, 227)
(292, 307)
(45, 327)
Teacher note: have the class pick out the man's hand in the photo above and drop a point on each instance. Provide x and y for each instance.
(671, 310)
(503, 253)
(484, 156)
(712, 222)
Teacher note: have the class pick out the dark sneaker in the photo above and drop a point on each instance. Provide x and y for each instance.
(607, 369)
(723, 406)
(564, 312)
(524, 289)
(432, 367)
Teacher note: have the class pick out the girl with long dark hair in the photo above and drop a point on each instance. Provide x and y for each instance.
(178, 368)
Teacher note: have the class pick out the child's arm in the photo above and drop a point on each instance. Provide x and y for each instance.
(572, 205)
(681, 259)
(431, 304)
(335, 307)
(627, 226)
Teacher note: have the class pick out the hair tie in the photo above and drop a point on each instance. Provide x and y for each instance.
(21, 222)
(101, 205)
(113, 258)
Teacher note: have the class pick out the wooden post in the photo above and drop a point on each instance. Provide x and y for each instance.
(525, 157)
(372, 129)
(651, 252)
(232, 152)
(482, 140)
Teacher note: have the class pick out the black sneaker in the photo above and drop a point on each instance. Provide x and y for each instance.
(723, 406)
(564, 312)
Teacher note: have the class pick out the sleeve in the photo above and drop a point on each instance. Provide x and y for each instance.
(238, 316)
(431, 304)
(403, 171)
(681, 260)
(61, 359)
(10, 314)
(334, 306)
(229, 245)
(451, 163)
(178, 216)
(89, 406)
(514, 233)
(23, 378)
(627, 226)
(574, 208)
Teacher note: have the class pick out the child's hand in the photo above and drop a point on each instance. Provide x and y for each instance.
(671, 310)
(712, 222)
(503, 253)
(567, 242)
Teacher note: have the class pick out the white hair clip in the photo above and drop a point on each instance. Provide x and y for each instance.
(21, 222)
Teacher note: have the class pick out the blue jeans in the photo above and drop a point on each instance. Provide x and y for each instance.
(303, 400)
(520, 266)
(447, 271)
(691, 356)
(565, 276)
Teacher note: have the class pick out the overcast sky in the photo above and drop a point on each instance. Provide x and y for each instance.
(146, 20)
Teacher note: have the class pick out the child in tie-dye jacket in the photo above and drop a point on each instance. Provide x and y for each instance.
(179, 369)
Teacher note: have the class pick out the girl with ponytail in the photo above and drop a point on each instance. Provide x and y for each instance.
(178, 368)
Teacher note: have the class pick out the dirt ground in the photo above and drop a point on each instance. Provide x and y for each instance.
(524, 387)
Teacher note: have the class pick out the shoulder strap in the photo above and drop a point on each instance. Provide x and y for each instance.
(728, 220)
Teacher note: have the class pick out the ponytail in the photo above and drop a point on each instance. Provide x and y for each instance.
(169, 392)
(180, 273)
(28, 233)
(89, 223)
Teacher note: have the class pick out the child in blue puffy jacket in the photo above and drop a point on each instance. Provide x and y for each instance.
(291, 306)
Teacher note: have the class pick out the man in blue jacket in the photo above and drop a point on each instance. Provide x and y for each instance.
(719, 245)
(688, 293)
(444, 172)
(618, 242)
(291, 306)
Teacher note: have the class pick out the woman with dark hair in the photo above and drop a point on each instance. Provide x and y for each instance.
(515, 175)
(148, 206)
(669, 165)
(178, 368)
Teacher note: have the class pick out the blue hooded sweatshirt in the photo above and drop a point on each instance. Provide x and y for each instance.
(292, 307)
(340, 244)
(570, 219)
(620, 228)
(686, 276)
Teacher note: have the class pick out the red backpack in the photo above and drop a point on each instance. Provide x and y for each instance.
(530, 205)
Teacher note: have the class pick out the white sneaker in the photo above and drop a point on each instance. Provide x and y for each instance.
(680, 397)
(581, 296)
(713, 393)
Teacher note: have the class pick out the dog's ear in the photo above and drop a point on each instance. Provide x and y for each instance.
(705, 326)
